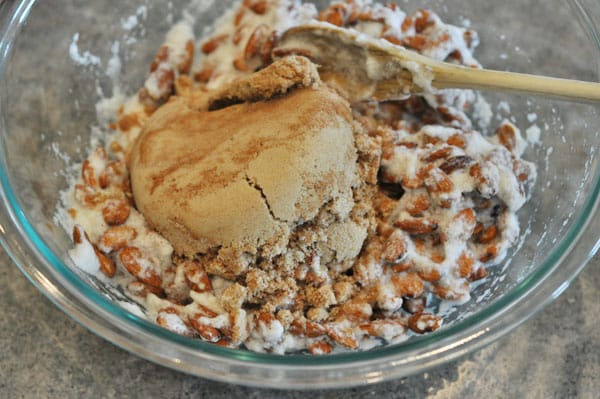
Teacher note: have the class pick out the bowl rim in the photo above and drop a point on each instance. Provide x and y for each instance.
(68, 291)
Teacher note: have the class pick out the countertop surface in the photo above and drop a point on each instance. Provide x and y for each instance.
(44, 354)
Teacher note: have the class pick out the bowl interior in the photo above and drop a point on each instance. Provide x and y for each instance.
(58, 69)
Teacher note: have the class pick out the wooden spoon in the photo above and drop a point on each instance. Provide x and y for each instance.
(363, 68)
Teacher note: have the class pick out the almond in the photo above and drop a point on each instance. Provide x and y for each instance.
(116, 237)
(186, 63)
(430, 275)
(116, 212)
(206, 332)
(416, 225)
(161, 56)
(259, 7)
(213, 43)
(424, 322)
(107, 266)
(255, 41)
(408, 284)
(142, 290)
(88, 174)
(343, 336)
(419, 204)
(356, 311)
(319, 348)
(506, 136)
(382, 328)
(196, 277)
(139, 266)
(456, 163)
(414, 305)
(465, 265)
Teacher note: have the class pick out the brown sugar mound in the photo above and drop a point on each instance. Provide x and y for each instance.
(246, 183)
(288, 73)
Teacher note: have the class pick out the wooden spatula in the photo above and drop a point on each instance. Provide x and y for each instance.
(363, 67)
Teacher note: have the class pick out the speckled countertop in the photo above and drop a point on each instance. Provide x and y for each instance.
(44, 354)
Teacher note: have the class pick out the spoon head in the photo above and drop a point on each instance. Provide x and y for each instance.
(357, 65)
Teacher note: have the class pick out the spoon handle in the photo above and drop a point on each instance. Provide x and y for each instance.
(453, 76)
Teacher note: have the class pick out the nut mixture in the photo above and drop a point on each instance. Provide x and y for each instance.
(440, 201)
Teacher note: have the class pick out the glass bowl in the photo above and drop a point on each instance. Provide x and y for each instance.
(47, 114)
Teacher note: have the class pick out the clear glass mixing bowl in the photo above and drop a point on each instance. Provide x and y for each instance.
(47, 111)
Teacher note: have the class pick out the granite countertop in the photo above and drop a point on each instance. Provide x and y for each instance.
(45, 355)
